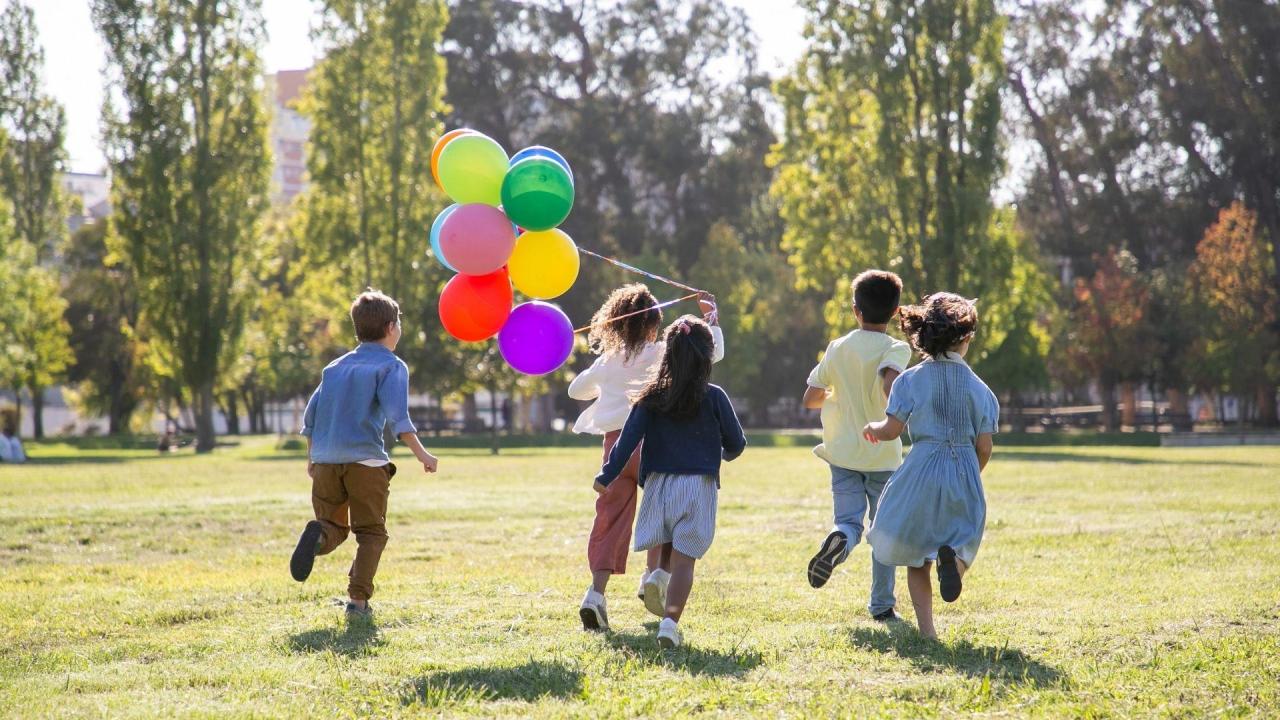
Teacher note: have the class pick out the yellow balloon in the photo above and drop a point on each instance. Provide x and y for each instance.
(544, 264)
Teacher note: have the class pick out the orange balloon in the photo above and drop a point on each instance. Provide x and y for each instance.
(439, 148)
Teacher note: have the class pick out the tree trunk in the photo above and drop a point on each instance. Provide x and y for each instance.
(1179, 412)
(470, 413)
(1129, 404)
(493, 421)
(1018, 418)
(231, 408)
(1267, 405)
(1110, 418)
(37, 413)
(206, 439)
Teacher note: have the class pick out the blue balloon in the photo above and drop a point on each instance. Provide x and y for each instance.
(542, 151)
(435, 235)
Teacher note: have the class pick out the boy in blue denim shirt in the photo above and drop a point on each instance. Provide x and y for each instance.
(350, 469)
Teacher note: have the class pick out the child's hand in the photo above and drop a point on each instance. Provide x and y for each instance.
(429, 462)
(869, 434)
(598, 487)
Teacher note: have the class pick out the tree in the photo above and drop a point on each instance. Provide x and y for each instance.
(102, 312)
(36, 125)
(1234, 279)
(375, 103)
(186, 140)
(35, 332)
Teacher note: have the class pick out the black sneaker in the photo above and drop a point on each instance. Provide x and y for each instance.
(948, 574)
(887, 616)
(304, 556)
(825, 561)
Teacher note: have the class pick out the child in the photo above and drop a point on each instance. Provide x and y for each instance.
(851, 384)
(629, 356)
(359, 394)
(933, 508)
(687, 425)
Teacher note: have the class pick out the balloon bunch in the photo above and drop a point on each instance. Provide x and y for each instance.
(502, 231)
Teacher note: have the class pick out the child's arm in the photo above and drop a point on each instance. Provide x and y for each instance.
(732, 439)
(628, 441)
(814, 397)
(393, 396)
(984, 446)
(429, 461)
(887, 376)
(884, 430)
(586, 386)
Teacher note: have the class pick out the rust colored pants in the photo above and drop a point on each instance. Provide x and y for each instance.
(610, 540)
(353, 498)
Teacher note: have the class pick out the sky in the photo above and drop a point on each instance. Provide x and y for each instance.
(74, 56)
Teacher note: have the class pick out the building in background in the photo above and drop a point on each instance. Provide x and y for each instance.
(289, 130)
(93, 191)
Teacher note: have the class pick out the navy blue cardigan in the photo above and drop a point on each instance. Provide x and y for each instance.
(683, 447)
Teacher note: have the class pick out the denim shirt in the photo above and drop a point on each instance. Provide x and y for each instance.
(359, 394)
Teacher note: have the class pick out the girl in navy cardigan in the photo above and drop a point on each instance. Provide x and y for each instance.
(687, 425)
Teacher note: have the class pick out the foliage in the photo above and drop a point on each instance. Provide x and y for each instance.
(185, 133)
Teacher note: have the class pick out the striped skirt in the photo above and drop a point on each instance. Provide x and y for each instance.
(678, 509)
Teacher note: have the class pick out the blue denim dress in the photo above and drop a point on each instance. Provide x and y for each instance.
(935, 498)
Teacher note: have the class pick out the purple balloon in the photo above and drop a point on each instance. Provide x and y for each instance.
(537, 338)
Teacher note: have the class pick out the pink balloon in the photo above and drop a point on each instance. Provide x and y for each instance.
(477, 239)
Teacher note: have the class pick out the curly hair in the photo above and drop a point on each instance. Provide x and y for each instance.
(939, 323)
(628, 335)
(681, 383)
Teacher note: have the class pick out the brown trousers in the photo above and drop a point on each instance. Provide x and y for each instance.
(353, 498)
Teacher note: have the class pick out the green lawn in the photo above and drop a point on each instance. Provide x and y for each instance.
(1127, 582)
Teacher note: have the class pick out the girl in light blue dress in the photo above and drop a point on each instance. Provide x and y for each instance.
(933, 508)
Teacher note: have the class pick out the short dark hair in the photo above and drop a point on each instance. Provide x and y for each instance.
(876, 294)
(371, 313)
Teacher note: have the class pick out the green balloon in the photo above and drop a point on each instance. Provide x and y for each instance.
(472, 168)
(537, 193)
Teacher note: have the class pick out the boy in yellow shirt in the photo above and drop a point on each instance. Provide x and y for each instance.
(851, 385)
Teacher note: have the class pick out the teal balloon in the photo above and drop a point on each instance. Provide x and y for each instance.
(537, 193)
(435, 236)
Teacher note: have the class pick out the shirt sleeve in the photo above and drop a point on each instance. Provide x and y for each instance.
(901, 403)
(988, 411)
(897, 357)
(586, 386)
(820, 376)
(309, 416)
(717, 344)
(393, 396)
(732, 439)
(632, 433)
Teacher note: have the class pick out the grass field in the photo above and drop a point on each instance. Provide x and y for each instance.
(1113, 582)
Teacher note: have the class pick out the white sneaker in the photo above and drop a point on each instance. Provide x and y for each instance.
(644, 576)
(655, 591)
(669, 634)
(593, 613)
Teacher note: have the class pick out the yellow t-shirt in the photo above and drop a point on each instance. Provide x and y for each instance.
(850, 371)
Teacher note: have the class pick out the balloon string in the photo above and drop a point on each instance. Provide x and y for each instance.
(638, 271)
(637, 312)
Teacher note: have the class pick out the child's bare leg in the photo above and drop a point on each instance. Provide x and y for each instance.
(600, 580)
(660, 557)
(921, 589)
(681, 583)
(653, 560)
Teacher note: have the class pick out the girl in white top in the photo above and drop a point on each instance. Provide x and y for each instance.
(629, 355)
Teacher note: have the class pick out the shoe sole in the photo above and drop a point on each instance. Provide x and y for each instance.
(591, 621)
(654, 599)
(667, 643)
(304, 556)
(824, 562)
(949, 584)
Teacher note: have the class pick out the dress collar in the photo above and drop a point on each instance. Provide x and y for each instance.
(948, 356)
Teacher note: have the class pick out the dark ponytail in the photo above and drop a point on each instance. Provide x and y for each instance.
(939, 323)
(682, 379)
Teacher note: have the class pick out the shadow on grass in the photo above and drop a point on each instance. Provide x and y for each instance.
(528, 682)
(354, 638)
(1015, 453)
(998, 663)
(643, 647)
